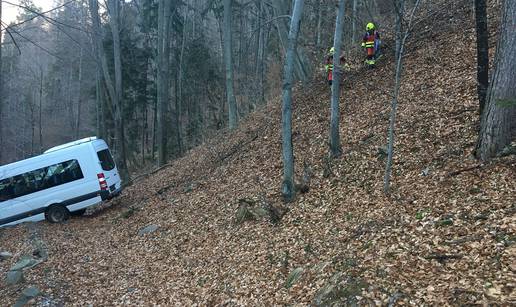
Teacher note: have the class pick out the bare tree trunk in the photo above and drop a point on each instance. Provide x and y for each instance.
(69, 102)
(263, 57)
(146, 130)
(394, 103)
(179, 142)
(167, 14)
(240, 41)
(288, 189)
(144, 133)
(399, 7)
(79, 97)
(259, 69)
(228, 62)
(98, 100)
(113, 94)
(335, 147)
(154, 129)
(482, 52)
(498, 123)
(259, 17)
(163, 78)
(145, 107)
(302, 68)
(99, 49)
(32, 106)
(40, 110)
(118, 106)
(159, 127)
(179, 100)
(194, 28)
(319, 22)
(354, 24)
(259, 28)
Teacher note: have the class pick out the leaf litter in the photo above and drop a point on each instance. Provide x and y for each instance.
(441, 237)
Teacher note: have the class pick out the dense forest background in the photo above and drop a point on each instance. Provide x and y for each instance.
(155, 78)
(55, 89)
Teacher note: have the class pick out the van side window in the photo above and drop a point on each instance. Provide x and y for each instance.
(6, 189)
(106, 160)
(40, 179)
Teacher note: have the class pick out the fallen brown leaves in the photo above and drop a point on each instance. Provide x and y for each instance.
(438, 239)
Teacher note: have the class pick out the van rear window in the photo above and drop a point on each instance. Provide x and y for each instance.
(106, 160)
(40, 179)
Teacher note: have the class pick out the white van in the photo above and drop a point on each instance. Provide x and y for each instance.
(65, 179)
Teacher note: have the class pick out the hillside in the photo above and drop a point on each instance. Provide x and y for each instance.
(445, 236)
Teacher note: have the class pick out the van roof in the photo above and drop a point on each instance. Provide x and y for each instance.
(74, 143)
(50, 152)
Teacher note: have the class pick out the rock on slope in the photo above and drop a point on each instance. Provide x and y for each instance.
(445, 236)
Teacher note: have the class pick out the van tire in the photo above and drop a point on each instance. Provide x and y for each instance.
(57, 214)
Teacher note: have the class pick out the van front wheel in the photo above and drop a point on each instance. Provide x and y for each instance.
(57, 214)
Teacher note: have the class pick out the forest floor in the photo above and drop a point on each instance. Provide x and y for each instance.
(445, 235)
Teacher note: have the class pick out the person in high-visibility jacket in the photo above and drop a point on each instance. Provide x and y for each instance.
(329, 64)
(371, 42)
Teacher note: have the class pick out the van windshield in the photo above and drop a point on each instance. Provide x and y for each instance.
(106, 160)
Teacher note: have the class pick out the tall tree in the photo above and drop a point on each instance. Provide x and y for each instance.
(399, 8)
(228, 63)
(99, 103)
(288, 188)
(163, 81)
(79, 98)
(260, 52)
(353, 23)
(179, 100)
(335, 147)
(402, 37)
(482, 52)
(498, 123)
(319, 22)
(40, 119)
(114, 21)
(114, 96)
(302, 67)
